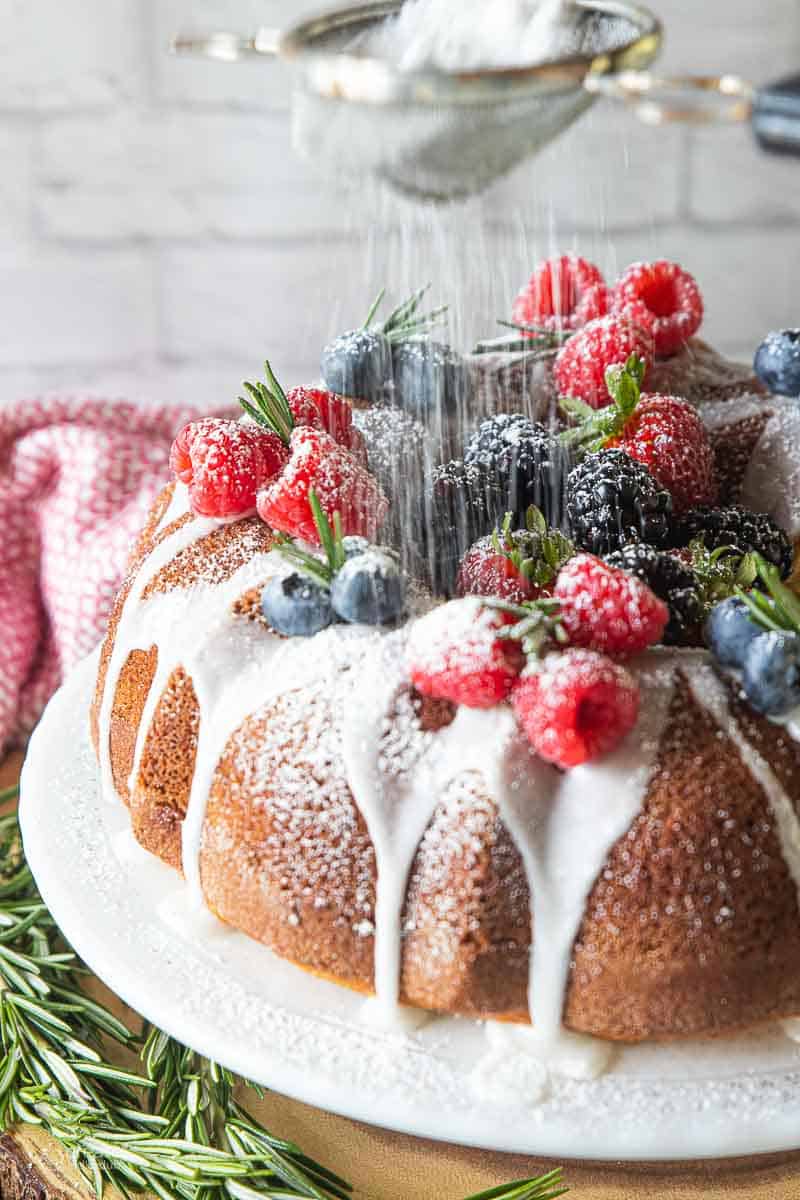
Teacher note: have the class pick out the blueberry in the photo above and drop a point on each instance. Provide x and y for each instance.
(777, 362)
(771, 676)
(369, 589)
(729, 631)
(358, 364)
(429, 378)
(353, 545)
(296, 606)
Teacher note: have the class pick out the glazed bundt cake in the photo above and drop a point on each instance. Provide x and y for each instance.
(514, 803)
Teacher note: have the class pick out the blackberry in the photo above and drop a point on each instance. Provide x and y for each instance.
(740, 528)
(463, 503)
(530, 464)
(671, 581)
(612, 500)
(429, 378)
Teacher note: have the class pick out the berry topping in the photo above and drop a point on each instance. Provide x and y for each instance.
(369, 588)
(514, 565)
(738, 528)
(562, 293)
(777, 362)
(729, 631)
(671, 295)
(581, 365)
(429, 378)
(663, 432)
(340, 482)
(359, 363)
(327, 410)
(454, 654)
(576, 707)
(671, 581)
(296, 605)
(771, 673)
(612, 499)
(606, 609)
(224, 463)
(463, 504)
(529, 463)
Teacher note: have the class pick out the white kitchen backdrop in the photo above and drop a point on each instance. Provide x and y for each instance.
(158, 238)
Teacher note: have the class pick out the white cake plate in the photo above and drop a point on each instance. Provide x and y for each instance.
(232, 1000)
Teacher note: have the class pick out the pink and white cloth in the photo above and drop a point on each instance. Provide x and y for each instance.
(77, 477)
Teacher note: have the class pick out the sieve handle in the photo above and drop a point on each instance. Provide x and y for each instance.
(776, 116)
(225, 46)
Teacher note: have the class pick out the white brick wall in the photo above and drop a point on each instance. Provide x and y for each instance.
(158, 237)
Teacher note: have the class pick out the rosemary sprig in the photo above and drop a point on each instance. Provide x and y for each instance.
(405, 321)
(538, 334)
(192, 1140)
(270, 407)
(545, 1187)
(779, 608)
(331, 541)
(538, 624)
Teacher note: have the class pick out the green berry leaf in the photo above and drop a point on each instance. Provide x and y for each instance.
(594, 428)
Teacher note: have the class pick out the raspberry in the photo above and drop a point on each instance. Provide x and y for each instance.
(454, 653)
(578, 706)
(224, 463)
(672, 296)
(341, 483)
(562, 293)
(514, 566)
(581, 365)
(667, 435)
(326, 410)
(605, 609)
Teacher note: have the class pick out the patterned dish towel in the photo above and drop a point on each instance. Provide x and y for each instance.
(77, 477)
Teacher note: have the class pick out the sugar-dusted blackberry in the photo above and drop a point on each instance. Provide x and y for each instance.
(529, 462)
(740, 528)
(463, 503)
(612, 500)
(671, 581)
(429, 378)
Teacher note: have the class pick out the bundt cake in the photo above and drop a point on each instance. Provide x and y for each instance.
(421, 808)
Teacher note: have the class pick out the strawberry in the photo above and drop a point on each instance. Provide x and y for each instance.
(576, 707)
(663, 432)
(605, 609)
(562, 294)
(581, 365)
(672, 297)
(454, 653)
(224, 463)
(318, 463)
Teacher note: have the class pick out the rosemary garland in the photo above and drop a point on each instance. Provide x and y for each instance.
(173, 1125)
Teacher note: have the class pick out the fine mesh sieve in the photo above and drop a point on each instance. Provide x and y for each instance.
(442, 135)
(430, 133)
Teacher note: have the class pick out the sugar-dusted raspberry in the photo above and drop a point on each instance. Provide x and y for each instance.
(454, 653)
(562, 293)
(666, 434)
(514, 564)
(224, 463)
(608, 610)
(581, 365)
(341, 483)
(577, 706)
(326, 410)
(672, 296)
